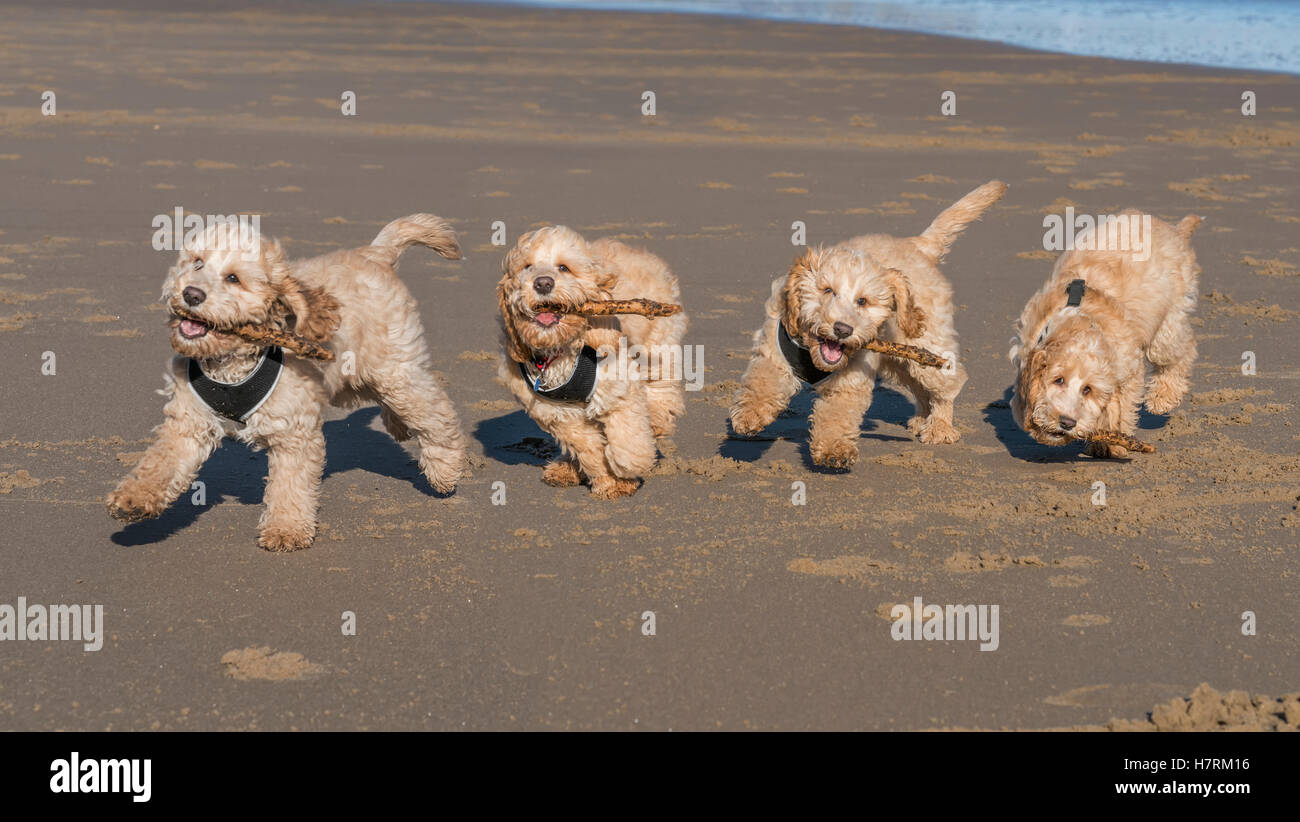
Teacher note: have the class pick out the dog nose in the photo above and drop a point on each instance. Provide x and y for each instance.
(1068, 422)
(192, 295)
(842, 330)
(543, 285)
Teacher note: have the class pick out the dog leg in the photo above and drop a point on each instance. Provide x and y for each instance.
(666, 401)
(938, 427)
(393, 424)
(183, 442)
(1172, 352)
(585, 441)
(630, 450)
(765, 391)
(423, 409)
(837, 418)
(296, 459)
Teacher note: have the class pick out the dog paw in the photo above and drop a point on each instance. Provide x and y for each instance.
(915, 425)
(562, 474)
(128, 506)
(938, 432)
(838, 454)
(283, 540)
(614, 487)
(1159, 403)
(443, 472)
(746, 421)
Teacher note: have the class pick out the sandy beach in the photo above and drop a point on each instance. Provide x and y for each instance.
(529, 615)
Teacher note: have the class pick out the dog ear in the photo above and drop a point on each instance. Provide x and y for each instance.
(911, 319)
(800, 269)
(1029, 386)
(515, 347)
(315, 312)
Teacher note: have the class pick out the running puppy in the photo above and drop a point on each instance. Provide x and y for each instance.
(832, 302)
(351, 302)
(1083, 342)
(556, 361)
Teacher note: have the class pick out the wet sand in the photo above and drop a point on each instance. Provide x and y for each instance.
(528, 615)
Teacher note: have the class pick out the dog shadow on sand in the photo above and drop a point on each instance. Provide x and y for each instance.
(793, 424)
(237, 473)
(1024, 447)
(514, 439)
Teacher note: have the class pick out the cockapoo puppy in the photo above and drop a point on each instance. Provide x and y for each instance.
(350, 301)
(1084, 340)
(833, 301)
(604, 387)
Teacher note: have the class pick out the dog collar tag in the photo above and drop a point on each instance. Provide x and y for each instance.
(237, 401)
(578, 388)
(1074, 292)
(801, 362)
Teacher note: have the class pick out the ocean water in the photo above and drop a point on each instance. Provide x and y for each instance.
(1245, 34)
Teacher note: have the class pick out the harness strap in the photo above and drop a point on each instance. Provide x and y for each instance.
(237, 401)
(1075, 292)
(801, 362)
(578, 388)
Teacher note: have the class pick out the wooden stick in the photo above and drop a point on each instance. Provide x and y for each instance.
(301, 346)
(645, 308)
(906, 352)
(1122, 440)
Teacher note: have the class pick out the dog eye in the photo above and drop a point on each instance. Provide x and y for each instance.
(232, 278)
(564, 268)
(1087, 389)
(862, 300)
(198, 263)
(1059, 381)
(828, 290)
(528, 267)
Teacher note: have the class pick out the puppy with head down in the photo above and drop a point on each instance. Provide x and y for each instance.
(564, 367)
(833, 301)
(353, 304)
(1084, 342)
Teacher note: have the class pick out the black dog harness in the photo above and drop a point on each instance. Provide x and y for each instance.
(578, 388)
(1074, 292)
(237, 400)
(800, 360)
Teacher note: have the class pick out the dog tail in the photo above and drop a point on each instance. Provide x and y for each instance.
(422, 229)
(1187, 226)
(935, 241)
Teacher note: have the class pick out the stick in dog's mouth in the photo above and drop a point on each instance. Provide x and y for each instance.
(1122, 440)
(906, 352)
(600, 308)
(192, 328)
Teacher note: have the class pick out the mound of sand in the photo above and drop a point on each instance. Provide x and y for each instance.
(1208, 710)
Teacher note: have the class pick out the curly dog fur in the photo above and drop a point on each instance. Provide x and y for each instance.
(351, 300)
(610, 440)
(1081, 369)
(834, 300)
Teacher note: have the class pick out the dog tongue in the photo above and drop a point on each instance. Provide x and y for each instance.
(192, 328)
(831, 352)
(547, 318)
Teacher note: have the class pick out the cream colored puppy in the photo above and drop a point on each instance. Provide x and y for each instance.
(1085, 340)
(834, 300)
(354, 303)
(562, 366)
